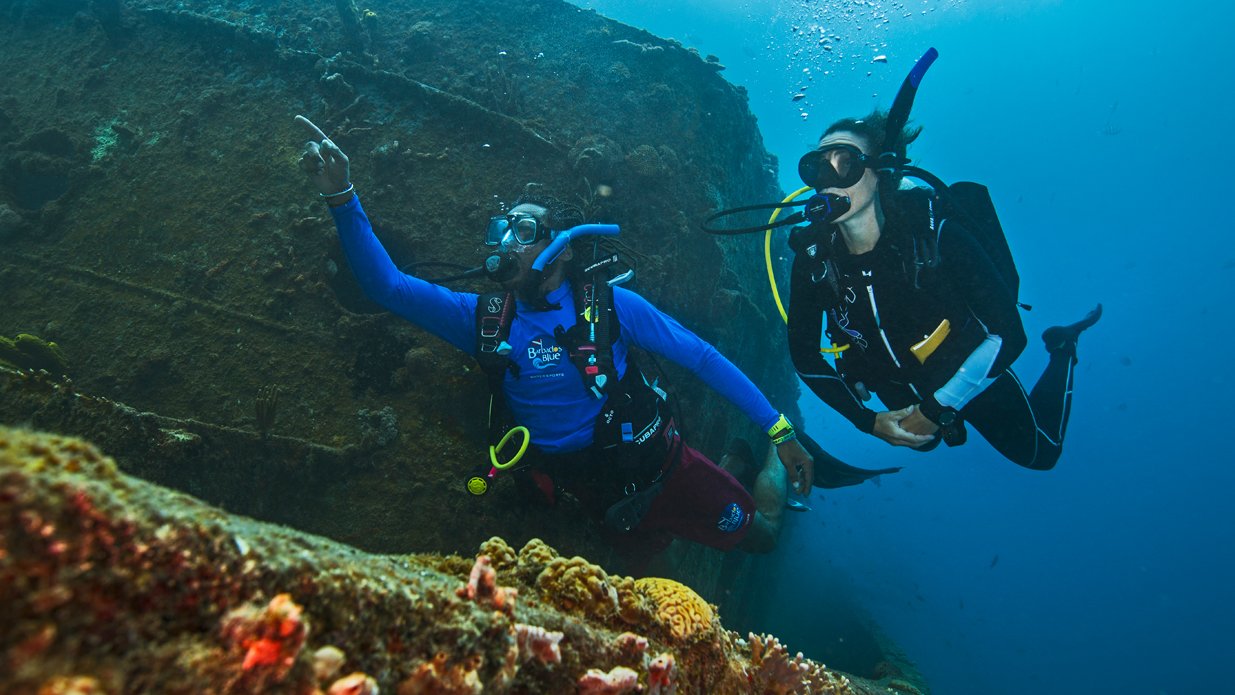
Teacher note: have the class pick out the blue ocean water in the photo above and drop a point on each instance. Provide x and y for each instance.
(1103, 132)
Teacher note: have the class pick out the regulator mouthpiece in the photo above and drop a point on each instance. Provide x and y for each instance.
(827, 207)
(501, 267)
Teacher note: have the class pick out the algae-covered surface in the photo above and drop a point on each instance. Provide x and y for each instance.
(110, 584)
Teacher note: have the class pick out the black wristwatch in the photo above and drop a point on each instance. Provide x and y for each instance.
(946, 418)
(938, 413)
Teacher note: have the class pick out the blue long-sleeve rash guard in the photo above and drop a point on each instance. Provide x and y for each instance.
(548, 397)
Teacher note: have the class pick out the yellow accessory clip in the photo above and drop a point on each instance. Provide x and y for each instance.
(834, 350)
(930, 343)
(494, 450)
(477, 485)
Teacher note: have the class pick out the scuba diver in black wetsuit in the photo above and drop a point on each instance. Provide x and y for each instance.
(916, 292)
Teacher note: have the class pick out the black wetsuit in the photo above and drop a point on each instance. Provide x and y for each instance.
(880, 314)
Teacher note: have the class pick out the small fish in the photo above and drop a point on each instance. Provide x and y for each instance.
(879, 59)
(796, 506)
(994, 561)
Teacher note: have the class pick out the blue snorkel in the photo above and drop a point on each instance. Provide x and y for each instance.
(555, 248)
(891, 162)
(560, 241)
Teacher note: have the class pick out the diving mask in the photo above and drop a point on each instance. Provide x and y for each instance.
(515, 228)
(834, 166)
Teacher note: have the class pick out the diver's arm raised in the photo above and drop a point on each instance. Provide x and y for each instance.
(446, 314)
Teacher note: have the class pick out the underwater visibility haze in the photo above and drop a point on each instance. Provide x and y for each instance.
(1110, 573)
(225, 468)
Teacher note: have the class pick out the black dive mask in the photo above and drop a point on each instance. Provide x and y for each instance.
(834, 166)
(515, 228)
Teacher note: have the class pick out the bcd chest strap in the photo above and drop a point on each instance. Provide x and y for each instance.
(590, 341)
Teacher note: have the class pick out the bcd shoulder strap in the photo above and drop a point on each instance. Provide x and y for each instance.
(495, 312)
(917, 211)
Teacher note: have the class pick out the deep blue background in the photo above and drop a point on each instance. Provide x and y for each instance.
(1104, 133)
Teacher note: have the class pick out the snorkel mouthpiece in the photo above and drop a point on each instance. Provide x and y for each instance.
(536, 275)
(827, 207)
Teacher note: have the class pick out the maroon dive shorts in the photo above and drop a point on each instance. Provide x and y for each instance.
(702, 503)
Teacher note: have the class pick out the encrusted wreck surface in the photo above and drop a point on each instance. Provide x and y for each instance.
(110, 584)
(155, 226)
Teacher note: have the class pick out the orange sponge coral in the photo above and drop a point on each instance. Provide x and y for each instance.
(577, 585)
(679, 610)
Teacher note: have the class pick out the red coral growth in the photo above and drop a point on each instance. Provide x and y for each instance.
(616, 682)
(661, 672)
(535, 641)
(355, 684)
(632, 645)
(483, 589)
(437, 678)
(271, 637)
(72, 685)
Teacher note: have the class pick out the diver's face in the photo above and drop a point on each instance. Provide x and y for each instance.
(526, 254)
(863, 194)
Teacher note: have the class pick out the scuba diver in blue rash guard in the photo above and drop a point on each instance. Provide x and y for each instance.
(916, 291)
(597, 429)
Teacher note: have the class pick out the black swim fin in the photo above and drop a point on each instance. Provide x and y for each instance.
(831, 472)
(1063, 338)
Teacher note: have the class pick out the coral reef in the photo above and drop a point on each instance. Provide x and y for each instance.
(110, 584)
(679, 610)
(577, 586)
(617, 681)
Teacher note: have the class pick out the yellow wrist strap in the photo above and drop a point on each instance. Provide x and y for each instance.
(781, 427)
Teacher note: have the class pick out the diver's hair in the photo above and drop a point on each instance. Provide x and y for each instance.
(873, 128)
(560, 215)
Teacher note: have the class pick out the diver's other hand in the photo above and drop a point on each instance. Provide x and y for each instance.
(888, 428)
(917, 423)
(328, 168)
(798, 464)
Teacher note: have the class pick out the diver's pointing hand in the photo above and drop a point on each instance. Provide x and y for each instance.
(888, 428)
(328, 168)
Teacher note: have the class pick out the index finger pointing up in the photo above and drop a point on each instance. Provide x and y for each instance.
(317, 133)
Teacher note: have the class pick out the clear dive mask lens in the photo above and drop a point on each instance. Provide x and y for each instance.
(834, 166)
(507, 230)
